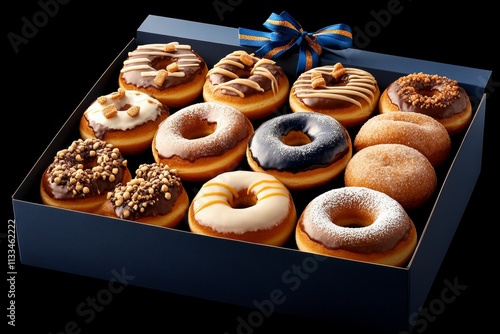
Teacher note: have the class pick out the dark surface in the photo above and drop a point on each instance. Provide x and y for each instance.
(73, 44)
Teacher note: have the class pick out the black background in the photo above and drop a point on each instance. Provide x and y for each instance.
(56, 66)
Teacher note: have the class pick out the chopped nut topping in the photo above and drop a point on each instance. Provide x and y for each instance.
(70, 169)
(415, 89)
(173, 67)
(133, 111)
(109, 111)
(154, 183)
(246, 59)
(338, 70)
(160, 77)
(118, 94)
(102, 99)
(169, 47)
(317, 80)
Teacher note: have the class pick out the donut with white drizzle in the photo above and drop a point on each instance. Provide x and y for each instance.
(349, 95)
(173, 73)
(256, 86)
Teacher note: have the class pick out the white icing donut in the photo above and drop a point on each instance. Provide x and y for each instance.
(244, 205)
(127, 116)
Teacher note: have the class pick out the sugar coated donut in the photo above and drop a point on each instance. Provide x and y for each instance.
(244, 205)
(437, 96)
(255, 86)
(350, 95)
(128, 119)
(202, 140)
(357, 223)
(154, 196)
(419, 131)
(81, 175)
(172, 73)
(397, 170)
(302, 150)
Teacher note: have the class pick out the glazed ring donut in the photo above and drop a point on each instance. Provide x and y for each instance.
(357, 223)
(350, 95)
(154, 196)
(419, 131)
(82, 174)
(397, 170)
(436, 96)
(302, 150)
(244, 205)
(172, 73)
(128, 119)
(202, 140)
(255, 86)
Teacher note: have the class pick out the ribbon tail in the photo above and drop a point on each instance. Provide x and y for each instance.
(249, 37)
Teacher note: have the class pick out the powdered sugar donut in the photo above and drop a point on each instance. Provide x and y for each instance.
(357, 223)
(202, 140)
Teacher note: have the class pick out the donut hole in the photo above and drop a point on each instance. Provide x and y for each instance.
(428, 92)
(351, 219)
(162, 62)
(244, 200)
(295, 138)
(196, 130)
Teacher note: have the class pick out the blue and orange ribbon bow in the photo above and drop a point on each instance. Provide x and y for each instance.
(287, 32)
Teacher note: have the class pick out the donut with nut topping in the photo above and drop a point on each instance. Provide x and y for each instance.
(154, 196)
(81, 175)
(257, 87)
(172, 73)
(437, 96)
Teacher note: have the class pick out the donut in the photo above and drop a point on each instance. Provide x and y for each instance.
(357, 223)
(302, 150)
(431, 94)
(257, 87)
(350, 95)
(81, 175)
(155, 196)
(397, 170)
(172, 73)
(419, 131)
(246, 206)
(202, 140)
(128, 119)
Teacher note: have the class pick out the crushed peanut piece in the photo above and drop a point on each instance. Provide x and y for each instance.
(102, 99)
(169, 47)
(160, 77)
(338, 70)
(109, 111)
(133, 111)
(246, 59)
(119, 94)
(173, 67)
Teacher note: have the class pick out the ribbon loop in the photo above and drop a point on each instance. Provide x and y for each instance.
(286, 32)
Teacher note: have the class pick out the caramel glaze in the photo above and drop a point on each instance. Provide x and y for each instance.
(142, 65)
(86, 168)
(432, 95)
(233, 77)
